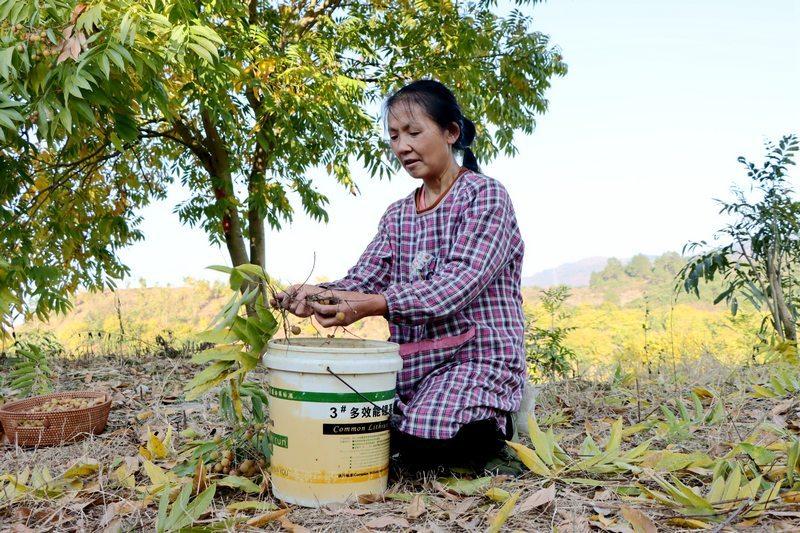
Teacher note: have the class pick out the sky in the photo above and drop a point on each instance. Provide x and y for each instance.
(640, 136)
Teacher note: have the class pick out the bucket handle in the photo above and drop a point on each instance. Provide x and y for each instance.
(334, 374)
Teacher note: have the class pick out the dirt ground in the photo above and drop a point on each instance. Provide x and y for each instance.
(147, 393)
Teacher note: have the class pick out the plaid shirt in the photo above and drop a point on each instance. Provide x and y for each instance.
(444, 271)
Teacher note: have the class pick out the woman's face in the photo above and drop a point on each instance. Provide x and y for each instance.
(419, 143)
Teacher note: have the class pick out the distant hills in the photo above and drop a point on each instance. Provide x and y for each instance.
(576, 274)
(603, 291)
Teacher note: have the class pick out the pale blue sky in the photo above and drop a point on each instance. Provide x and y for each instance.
(660, 100)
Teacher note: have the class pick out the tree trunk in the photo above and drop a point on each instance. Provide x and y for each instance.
(785, 325)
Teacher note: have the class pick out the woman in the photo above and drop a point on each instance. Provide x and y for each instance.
(444, 270)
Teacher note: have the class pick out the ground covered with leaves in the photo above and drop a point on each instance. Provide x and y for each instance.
(700, 446)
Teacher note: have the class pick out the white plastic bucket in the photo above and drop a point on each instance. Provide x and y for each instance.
(328, 442)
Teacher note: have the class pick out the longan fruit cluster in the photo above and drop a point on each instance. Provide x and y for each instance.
(225, 464)
(54, 405)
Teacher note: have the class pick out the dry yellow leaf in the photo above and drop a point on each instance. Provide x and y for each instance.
(497, 494)
(144, 415)
(640, 522)
(260, 520)
(529, 458)
(503, 513)
(690, 523)
(144, 453)
(416, 508)
(155, 446)
(124, 477)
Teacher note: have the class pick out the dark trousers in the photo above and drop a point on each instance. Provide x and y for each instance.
(472, 446)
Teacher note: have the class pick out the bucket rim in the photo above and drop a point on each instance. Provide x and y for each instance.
(369, 346)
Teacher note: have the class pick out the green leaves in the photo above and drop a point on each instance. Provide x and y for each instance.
(244, 340)
(759, 260)
(204, 42)
(183, 512)
(30, 373)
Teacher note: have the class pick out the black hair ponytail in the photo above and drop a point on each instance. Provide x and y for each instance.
(441, 106)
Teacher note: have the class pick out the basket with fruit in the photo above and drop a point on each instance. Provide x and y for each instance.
(54, 419)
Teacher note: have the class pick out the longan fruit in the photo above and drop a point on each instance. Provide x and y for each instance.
(296, 330)
(246, 465)
(225, 462)
(218, 467)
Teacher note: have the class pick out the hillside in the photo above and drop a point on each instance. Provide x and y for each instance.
(608, 315)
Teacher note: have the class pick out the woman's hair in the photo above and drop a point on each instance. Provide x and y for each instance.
(441, 106)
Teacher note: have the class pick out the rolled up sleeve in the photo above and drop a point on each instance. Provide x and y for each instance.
(482, 247)
(372, 272)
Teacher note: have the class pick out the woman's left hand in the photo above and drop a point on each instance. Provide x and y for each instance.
(350, 307)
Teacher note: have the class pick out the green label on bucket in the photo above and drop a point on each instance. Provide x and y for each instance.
(279, 440)
(330, 397)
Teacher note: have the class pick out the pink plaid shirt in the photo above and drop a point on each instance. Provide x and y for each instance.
(451, 270)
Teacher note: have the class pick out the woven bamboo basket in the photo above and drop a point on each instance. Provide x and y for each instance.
(58, 427)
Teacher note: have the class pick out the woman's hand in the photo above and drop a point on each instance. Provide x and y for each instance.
(295, 299)
(349, 307)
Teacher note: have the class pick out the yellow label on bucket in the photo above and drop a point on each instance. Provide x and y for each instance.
(329, 438)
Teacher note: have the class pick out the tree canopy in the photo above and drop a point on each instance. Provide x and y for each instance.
(103, 104)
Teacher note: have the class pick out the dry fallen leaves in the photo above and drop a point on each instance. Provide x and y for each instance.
(537, 499)
(260, 520)
(640, 522)
(416, 508)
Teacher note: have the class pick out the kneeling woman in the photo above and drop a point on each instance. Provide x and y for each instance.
(444, 270)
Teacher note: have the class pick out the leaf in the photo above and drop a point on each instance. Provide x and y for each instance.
(416, 508)
(689, 523)
(124, 477)
(155, 446)
(227, 352)
(503, 514)
(254, 505)
(466, 487)
(195, 509)
(497, 494)
(538, 499)
(703, 392)
(640, 522)
(542, 444)
(239, 482)
(82, 469)
(615, 437)
(200, 478)
(530, 459)
(260, 520)
(158, 476)
(760, 455)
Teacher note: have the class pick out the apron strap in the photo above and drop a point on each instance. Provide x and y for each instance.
(410, 348)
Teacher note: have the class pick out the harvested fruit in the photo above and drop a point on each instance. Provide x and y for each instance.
(54, 405)
(340, 316)
(324, 300)
(296, 330)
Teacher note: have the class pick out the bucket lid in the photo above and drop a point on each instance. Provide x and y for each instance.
(317, 354)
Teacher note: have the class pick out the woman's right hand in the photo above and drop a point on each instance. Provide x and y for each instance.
(293, 299)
